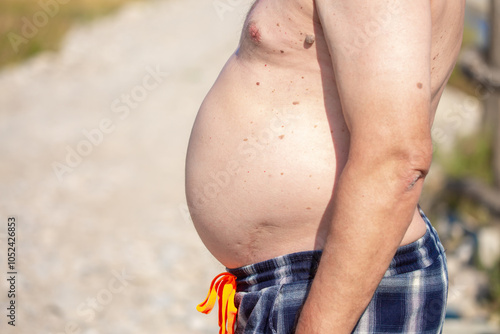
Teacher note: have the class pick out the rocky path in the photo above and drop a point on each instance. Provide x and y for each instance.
(93, 144)
(93, 140)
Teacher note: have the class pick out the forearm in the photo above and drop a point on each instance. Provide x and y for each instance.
(385, 92)
(373, 206)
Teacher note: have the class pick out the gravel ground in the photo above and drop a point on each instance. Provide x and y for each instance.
(93, 143)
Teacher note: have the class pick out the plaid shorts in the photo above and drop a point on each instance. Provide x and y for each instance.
(411, 298)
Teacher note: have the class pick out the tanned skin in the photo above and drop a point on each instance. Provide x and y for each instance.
(316, 135)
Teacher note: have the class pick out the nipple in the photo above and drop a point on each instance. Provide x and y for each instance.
(253, 32)
(310, 39)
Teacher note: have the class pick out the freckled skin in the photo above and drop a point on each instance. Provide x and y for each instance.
(280, 86)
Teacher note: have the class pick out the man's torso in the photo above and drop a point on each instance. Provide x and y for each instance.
(270, 139)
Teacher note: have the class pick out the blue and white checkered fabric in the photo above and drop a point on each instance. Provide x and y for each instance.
(411, 297)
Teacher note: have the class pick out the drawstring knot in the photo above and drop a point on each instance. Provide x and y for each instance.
(223, 286)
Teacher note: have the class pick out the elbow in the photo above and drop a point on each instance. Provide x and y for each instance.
(414, 174)
(413, 165)
(405, 163)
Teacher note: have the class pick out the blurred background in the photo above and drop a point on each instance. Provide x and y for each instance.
(97, 100)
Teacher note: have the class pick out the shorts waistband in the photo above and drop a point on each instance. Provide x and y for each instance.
(303, 265)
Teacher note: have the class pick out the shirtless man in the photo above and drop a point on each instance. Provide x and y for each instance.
(314, 143)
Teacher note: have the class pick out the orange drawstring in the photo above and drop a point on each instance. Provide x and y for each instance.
(224, 286)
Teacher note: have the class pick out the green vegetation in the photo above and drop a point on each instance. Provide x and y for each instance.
(30, 26)
(472, 156)
(494, 293)
(458, 79)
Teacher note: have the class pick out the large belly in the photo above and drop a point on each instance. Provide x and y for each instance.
(270, 140)
(262, 164)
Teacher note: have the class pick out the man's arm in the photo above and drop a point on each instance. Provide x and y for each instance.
(381, 53)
